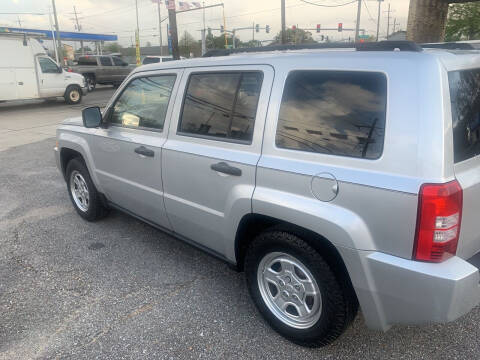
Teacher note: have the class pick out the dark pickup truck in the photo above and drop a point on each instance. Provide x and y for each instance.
(102, 69)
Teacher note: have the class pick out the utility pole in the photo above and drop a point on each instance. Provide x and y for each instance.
(359, 14)
(19, 22)
(53, 35)
(172, 18)
(160, 27)
(137, 37)
(204, 35)
(378, 19)
(284, 31)
(59, 43)
(225, 26)
(388, 21)
(395, 25)
(78, 28)
(253, 32)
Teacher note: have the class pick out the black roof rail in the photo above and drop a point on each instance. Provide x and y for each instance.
(449, 46)
(369, 46)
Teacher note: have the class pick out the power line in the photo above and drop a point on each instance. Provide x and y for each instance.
(369, 14)
(329, 6)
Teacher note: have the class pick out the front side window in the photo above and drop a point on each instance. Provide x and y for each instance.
(47, 65)
(117, 61)
(334, 112)
(465, 100)
(105, 61)
(221, 105)
(144, 102)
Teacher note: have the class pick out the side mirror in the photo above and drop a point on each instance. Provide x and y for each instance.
(92, 117)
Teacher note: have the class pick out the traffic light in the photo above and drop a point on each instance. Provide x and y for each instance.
(318, 28)
(267, 29)
(294, 27)
(322, 37)
(257, 28)
(222, 29)
(209, 31)
(340, 27)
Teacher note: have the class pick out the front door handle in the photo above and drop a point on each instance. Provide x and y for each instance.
(223, 167)
(142, 150)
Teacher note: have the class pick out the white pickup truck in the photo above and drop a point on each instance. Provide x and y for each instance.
(26, 72)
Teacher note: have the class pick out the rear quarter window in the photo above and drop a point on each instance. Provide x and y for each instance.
(465, 101)
(333, 112)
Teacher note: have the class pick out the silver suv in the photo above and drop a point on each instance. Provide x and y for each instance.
(334, 178)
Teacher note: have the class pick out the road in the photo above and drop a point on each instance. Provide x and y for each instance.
(120, 289)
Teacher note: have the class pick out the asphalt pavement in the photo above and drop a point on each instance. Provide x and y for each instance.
(120, 289)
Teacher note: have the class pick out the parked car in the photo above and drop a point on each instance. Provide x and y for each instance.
(102, 69)
(332, 178)
(158, 59)
(26, 72)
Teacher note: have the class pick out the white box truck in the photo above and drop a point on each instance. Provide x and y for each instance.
(26, 72)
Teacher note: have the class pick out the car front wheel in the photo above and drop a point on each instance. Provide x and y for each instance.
(73, 95)
(296, 291)
(83, 194)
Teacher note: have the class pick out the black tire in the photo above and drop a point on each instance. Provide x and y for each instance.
(91, 82)
(95, 209)
(339, 305)
(73, 95)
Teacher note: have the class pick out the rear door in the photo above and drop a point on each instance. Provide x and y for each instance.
(128, 154)
(210, 158)
(106, 70)
(465, 101)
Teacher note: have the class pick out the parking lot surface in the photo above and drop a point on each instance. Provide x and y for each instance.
(120, 289)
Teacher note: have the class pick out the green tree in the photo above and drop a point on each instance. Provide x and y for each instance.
(218, 42)
(113, 47)
(188, 45)
(297, 36)
(463, 22)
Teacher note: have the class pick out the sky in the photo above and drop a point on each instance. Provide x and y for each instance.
(118, 17)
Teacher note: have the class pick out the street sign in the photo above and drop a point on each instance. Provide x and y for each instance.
(363, 36)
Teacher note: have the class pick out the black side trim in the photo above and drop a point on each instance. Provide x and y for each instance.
(175, 235)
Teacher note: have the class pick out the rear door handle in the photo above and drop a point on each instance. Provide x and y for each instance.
(223, 167)
(142, 150)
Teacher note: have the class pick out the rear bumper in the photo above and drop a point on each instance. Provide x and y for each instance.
(393, 290)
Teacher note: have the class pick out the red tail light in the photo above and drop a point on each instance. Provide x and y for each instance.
(438, 223)
(69, 69)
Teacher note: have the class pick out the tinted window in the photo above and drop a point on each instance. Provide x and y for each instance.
(105, 61)
(117, 61)
(47, 65)
(333, 112)
(87, 60)
(465, 98)
(150, 60)
(144, 102)
(221, 105)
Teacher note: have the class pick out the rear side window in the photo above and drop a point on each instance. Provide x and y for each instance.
(465, 99)
(105, 61)
(150, 60)
(334, 112)
(221, 105)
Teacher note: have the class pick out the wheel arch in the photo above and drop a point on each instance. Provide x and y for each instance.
(253, 224)
(67, 154)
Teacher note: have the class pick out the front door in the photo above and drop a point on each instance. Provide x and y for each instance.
(214, 144)
(128, 154)
(52, 81)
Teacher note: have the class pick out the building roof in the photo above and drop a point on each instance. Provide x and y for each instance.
(64, 35)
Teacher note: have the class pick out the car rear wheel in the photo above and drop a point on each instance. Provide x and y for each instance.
(296, 291)
(73, 95)
(83, 194)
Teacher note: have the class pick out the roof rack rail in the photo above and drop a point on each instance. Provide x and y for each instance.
(371, 46)
(449, 46)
